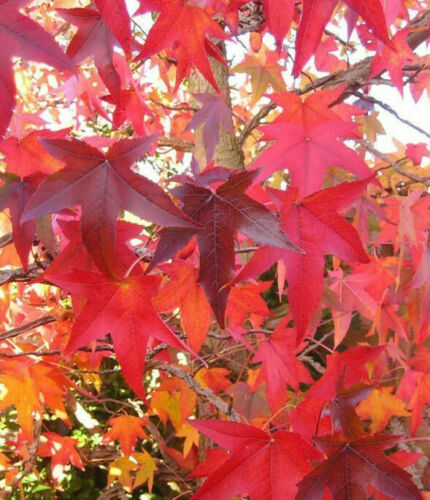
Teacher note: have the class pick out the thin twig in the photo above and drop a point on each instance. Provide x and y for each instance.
(204, 392)
(390, 110)
(25, 328)
(367, 145)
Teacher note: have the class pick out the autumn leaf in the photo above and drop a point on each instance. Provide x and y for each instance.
(278, 24)
(131, 472)
(316, 14)
(314, 224)
(307, 154)
(184, 291)
(192, 45)
(213, 114)
(103, 185)
(122, 308)
(280, 366)
(366, 465)
(23, 38)
(62, 451)
(127, 429)
(222, 212)
(380, 406)
(264, 70)
(93, 39)
(261, 464)
(29, 386)
(15, 194)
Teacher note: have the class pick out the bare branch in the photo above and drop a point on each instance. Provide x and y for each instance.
(387, 159)
(25, 328)
(204, 392)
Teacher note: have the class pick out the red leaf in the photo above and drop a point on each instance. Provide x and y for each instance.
(123, 309)
(186, 29)
(316, 14)
(62, 450)
(307, 154)
(260, 465)
(103, 185)
(314, 225)
(116, 18)
(222, 212)
(278, 23)
(352, 466)
(22, 37)
(280, 367)
(15, 194)
(93, 39)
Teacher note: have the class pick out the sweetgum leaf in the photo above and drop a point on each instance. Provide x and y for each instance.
(103, 185)
(222, 212)
(351, 466)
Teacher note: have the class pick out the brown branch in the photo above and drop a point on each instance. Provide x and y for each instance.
(25, 328)
(387, 159)
(20, 275)
(174, 143)
(353, 77)
(204, 392)
(392, 111)
(6, 240)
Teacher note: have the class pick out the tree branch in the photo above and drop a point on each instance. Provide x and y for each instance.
(387, 159)
(204, 392)
(29, 326)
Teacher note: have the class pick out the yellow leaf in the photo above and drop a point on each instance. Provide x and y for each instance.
(380, 406)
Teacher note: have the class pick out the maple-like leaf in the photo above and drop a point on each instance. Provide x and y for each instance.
(393, 59)
(213, 115)
(62, 451)
(130, 107)
(22, 37)
(307, 154)
(280, 367)
(278, 15)
(133, 471)
(175, 401)
(122, 308)
(380, 406)
(350, 366)
(94, 39)
(261, 465)
(103, 185)
(222, 211)
(127, 429)
(186, 29)
(184, 291)
(214, 378)
(313, 224)
(316, 14)
(115, 16)
(28, 386)
(352, 466)
(264, 70)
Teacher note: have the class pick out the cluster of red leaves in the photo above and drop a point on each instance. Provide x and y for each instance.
(309, 431)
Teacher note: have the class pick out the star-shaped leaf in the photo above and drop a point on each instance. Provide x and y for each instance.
(222, 212)
(261, 465)
(186, 29)
(313, 224)
(352, 466)
(122, 308)
(22, 37)
(103, 185)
